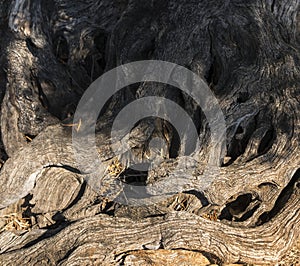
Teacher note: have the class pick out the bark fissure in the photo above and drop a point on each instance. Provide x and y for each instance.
(248, 54)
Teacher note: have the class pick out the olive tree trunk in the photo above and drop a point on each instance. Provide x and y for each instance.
(248, 54)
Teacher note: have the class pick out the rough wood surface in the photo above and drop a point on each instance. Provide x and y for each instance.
(248, 54)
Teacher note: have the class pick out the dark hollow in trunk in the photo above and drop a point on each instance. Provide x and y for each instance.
(248, 54)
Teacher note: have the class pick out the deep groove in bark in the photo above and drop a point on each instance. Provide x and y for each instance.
(236, 207)
(51, 231)
(247, 51)
(266, 142)
(134, 177)
(61, 48)
(66, 167)
(281, 200)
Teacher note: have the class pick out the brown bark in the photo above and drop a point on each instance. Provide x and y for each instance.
(247, 52)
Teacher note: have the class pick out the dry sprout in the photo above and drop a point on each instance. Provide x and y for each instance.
(212, 215)
(15, 221)
(189, 203)
(77, 125)
(181, 203)
(29, 139)
(116, 168)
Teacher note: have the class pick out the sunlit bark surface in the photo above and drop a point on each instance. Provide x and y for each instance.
(248, 54)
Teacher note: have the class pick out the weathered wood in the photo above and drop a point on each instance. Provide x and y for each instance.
(109, 239)
(247, 52)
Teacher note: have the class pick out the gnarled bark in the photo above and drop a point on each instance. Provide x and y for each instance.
(247, 52)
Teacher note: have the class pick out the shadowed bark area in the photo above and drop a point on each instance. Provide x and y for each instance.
(248, 54)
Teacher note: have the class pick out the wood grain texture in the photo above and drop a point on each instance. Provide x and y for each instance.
(247, 53)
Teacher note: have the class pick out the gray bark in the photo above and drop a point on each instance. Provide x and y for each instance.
(246, 51)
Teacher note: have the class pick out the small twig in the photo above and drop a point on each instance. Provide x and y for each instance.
(77, 125)
(28, 138)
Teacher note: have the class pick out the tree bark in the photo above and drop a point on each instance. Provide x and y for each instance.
(248, 54)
